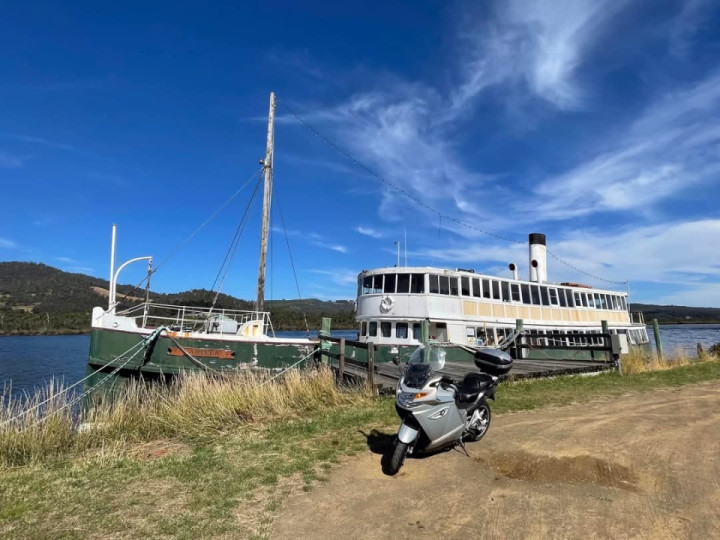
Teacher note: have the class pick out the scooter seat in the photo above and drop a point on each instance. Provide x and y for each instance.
(470, 387)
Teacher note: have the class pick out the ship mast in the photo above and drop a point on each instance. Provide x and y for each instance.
(267, 196)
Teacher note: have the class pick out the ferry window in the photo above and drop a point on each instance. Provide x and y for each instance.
(417, 331)
(389, 283)
(525, 293)
(441, 329)
(606, 301)
(505, 290)
(465, 286)
(377, 284)
(367, 284)
(544, 294)
(444, 285)
(486, 288)
(476, 287)
(561, 297)
(624, 303)
(385, 329)
(434, 284)
(614, 301)
(515, 288)
(454, 286)
(535, 290)
(578, 303)
(553, 297)
(417, 285)
(496, 290)
(570, 301)
(597, 300)
(373, 329)
(403, 283)
(401, 330)
(363, 329)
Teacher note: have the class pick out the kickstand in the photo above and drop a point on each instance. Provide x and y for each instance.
(461, 444)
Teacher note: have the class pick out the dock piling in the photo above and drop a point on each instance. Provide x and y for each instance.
(658, 343)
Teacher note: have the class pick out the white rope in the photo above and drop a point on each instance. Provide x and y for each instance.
(289, 368)
(65, 390)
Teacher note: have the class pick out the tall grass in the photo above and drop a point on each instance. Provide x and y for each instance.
(193, 406)
(641, 361)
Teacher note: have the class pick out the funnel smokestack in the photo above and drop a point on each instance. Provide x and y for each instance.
(538, 258)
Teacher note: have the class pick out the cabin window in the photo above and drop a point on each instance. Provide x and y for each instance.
(476, 288)
(561, 297)
(403, 283)
(624, 303)
(578, 302)
(496, 290)
(363, 328)
(553, 297)
(515, 289)
(444, 285)
(367, 284)
(454, 286)
(505, 286)
(417, 285)
(614, 300)
(525, 293)
(373, 329)
(401, 330)
(486, 288)
(465, 286)
(535, 290)
(389, 283)
(544, 295)
(603, 301)
(597, 300)
(377, 284)
(385, 329)
(417, 331)
(570, 300)
(441, 332)
(434, 283)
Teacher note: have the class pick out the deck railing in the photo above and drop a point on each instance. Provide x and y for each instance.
(196, 319)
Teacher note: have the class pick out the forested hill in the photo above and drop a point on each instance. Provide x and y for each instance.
(678, 314)
(36, 298)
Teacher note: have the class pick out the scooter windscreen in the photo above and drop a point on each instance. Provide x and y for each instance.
(423, 363)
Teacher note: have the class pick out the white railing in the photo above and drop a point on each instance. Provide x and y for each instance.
(196, 319)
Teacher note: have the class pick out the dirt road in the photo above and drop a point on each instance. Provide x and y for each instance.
(643, 466)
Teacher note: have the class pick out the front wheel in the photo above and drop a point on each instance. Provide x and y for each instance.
(393, 460)
(480, 423)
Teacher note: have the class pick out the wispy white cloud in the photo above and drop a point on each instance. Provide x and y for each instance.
(6, 243)
(670, 147)
(11, 161)
(342, 276)
(684, 27)
(369, 231)
(66, 260)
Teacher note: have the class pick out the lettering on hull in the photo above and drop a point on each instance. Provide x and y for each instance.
(207, 353)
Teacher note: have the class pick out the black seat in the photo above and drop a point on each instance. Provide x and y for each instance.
(470, 387)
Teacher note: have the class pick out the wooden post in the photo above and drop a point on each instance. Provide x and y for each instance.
(324, 332)
(371, 366)
(658, 343)
(519, 340)
(341, 361)
(700, 350)
(606, 341)
(425, 331)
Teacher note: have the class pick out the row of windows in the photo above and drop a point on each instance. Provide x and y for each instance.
(523, 293)
(401, 330)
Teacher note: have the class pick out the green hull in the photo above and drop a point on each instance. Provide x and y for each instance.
(108, 351)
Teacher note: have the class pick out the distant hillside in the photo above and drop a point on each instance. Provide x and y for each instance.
(36, 298)
(678, 314)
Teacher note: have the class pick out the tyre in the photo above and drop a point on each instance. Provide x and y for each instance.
(394, 459)
(478, 430)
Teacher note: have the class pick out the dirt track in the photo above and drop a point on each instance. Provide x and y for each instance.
(644, 466)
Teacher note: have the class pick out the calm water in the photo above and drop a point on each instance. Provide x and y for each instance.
(29, 361)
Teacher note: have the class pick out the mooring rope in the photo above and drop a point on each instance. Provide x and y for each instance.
(289, 368)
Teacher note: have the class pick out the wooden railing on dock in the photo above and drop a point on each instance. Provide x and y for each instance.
(349, 367)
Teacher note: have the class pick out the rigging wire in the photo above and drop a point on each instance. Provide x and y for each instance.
(423, 204)
(230, 254)
(292, 262)
(194, 233)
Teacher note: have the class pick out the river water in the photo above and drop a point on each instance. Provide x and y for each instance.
(27, 362)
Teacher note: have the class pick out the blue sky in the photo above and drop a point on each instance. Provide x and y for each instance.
(593, 122)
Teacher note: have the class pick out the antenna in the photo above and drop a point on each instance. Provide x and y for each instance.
(397, 245)
(405, 229)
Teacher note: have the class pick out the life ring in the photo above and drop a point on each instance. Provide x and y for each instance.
(386, 304)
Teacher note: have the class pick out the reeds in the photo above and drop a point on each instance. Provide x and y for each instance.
(193, 406)
(641, 361)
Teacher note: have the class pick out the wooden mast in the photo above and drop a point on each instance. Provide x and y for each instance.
(267, 196)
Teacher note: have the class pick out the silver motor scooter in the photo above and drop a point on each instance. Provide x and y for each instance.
(437, 412)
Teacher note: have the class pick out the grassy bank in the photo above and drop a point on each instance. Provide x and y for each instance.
(217, 456)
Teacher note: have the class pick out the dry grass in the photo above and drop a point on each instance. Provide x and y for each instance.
(641, 361)
(196, 406)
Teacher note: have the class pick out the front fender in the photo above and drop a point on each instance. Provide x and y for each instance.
(407, 434)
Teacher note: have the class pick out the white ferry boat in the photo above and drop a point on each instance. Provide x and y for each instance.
(465, 308)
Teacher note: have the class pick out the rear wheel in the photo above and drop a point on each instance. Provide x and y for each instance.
(481, 423)
(393, 460)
